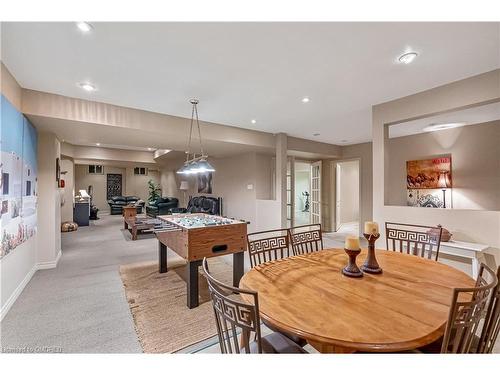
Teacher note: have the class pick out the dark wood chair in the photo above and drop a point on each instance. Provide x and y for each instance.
(466, 311)
(268, 245)
(420, 240)
(491, 325)
(233, 317)
(306, 238)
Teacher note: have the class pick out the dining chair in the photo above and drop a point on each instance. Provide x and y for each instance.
(466, 311)
(268, 245)
(306, 239)
(420, 240)
(491, 325)
(233, 316)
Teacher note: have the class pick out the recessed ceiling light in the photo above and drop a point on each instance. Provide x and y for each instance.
(97, 144)
(253, 121)
(87, 86)
(449, 125)
(316, 134)
(408, 57)
(306, 99)
(84, 27)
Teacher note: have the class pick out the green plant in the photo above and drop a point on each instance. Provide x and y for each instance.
(154, 191)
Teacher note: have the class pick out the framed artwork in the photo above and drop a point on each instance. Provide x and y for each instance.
(205, 183)
(422, 182)
(424, 174)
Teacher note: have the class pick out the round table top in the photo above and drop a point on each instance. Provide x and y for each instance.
(403, 308)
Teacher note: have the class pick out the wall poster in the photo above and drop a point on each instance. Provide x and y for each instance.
(18, 178)
(422, 176)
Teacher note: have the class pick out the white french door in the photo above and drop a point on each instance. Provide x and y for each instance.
(316, 192)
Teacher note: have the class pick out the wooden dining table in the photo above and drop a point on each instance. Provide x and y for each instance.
(403, 308)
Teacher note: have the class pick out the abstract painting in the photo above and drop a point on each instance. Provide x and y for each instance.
(205, 183)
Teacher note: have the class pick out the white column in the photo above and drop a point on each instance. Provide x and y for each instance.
(281, 160)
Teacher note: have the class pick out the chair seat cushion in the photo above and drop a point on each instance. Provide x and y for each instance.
(276, 343)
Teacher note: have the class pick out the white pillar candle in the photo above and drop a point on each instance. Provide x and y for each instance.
(371, 227)
(352, 243)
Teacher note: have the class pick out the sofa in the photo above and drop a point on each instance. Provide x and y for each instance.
(202, 204)
(117, 203)
(161, 206)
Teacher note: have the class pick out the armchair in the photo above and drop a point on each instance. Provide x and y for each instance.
(162, 206)
(116, 204)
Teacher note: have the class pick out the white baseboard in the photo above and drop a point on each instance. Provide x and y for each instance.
(49, 265)
(17, 292)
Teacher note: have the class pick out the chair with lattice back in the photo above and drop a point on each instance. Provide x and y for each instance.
(268, 245)
(466, 311)
(491, 325)
(306, 239)
(235, 317)
(420, 240)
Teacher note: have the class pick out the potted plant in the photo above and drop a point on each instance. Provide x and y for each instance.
(154, 191)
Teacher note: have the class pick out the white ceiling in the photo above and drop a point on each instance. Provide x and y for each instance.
(244, 71)
(470, 116)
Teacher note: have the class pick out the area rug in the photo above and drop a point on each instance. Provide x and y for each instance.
(157, 301)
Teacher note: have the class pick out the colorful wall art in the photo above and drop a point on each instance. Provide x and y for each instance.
(18, 178)
(422, 182)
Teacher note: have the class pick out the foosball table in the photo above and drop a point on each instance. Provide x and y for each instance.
(196, 236)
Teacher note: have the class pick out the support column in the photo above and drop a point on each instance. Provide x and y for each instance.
(281, 160)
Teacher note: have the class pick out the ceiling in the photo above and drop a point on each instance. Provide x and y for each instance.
(245, 71)
(471, 116)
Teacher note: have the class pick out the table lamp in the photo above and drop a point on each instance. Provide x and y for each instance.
(184, 187)
(444, 183)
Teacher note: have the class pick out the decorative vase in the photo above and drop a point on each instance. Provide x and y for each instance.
(352, 269)
(371, 265)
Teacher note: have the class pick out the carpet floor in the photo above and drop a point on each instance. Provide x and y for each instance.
(163, 322)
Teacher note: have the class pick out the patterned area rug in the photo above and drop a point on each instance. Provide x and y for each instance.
(157, 301)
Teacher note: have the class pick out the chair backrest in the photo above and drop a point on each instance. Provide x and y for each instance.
(491, 325)
(420, 240)
(467, 307)
(268, 245)
(232, 315)
(306, 238)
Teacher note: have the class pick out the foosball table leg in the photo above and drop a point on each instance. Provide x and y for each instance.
(238, 262)
(192, 283)
(162, 257)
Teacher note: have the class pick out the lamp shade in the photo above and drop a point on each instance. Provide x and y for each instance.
(184, 169)
(444, 181)
(184, 185)
(204, 166)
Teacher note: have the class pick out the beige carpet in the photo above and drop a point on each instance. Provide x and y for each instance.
(157, 301)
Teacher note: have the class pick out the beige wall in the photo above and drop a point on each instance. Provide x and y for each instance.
(138, 185)
(363, 152)
(349, 191)
(468, 225)
(475, 154)
(68, 166)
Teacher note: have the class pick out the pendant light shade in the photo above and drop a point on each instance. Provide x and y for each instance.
(196, 164)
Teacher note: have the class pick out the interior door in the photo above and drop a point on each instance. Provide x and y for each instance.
(315, 208)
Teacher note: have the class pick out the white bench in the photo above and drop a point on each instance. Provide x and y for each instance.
(473, 251)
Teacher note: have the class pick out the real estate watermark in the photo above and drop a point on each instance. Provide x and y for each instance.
(31, 349)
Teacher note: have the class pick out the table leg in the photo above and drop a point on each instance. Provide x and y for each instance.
(125, 225)
(328, 348)
(238, 262)
(162, 257)
(192, 283)
(134, 233)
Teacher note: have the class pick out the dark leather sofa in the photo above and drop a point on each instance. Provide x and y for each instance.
(117, 203)
(207, 205)
(162, 206)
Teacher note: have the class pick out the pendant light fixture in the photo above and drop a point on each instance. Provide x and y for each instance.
(196, 164)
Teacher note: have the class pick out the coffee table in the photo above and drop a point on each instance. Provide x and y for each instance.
(137, 224)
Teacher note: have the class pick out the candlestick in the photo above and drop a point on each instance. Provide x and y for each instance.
(352, 269)
(371, 265)
(371, 227)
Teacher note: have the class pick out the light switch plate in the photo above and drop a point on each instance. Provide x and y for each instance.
(250, 187)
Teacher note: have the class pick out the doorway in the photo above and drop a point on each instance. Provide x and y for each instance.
(302, 206)
(347, 207)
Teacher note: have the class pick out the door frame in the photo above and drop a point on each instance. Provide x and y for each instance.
(360, 207)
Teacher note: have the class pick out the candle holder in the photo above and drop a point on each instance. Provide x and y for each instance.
(352, 269)
(371, 265)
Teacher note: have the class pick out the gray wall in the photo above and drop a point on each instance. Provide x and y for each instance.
(475, 154)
